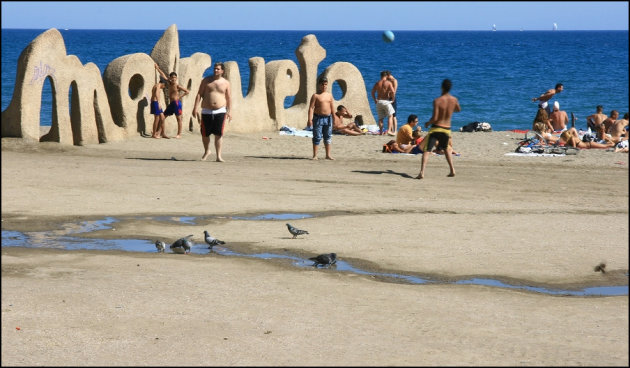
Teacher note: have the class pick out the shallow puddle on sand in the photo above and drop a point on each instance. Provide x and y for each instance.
(64, 240)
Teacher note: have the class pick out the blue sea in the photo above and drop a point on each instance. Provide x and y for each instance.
(494, 74)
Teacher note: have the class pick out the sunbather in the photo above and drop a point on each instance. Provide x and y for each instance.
(571, 138)
(339, 127)
(394, 147)
(543, 117)
(541, 129)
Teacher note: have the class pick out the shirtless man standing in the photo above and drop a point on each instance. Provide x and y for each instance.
(175, 102)
(320, 117)
(383, 94)
(594, 120)
(440, 132)
(158, 121)
(394, 81)
(215, 109)
(545, 97)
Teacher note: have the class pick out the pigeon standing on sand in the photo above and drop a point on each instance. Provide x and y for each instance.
(601, 267)
(295, 231)
(182, 245)
(327, 259)
(210, 240)
(160, 245)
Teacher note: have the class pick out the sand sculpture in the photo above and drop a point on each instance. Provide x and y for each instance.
(88, 108)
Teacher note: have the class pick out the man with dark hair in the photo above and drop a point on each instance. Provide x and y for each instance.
(156, 110)
(440, 132)
(215, 109)
(593, 121)
(320, 117)
(339, 127)
(394, 99)
(175, 102)
(383, 94)
(405, 133)
(543, 100)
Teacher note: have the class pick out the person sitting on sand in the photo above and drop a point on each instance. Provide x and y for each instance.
(405, 133)
(594, 120)
(622, 146)
(609, 121)
(338, 125)
(543, 117)
(571, 138)
(618, 129)
(545, 136)
(559, 118)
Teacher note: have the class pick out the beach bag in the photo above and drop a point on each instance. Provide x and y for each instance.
(476, 126)
(484, 127)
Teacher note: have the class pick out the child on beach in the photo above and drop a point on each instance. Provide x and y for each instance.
(158, 122)
(320, 117)
(175, 105)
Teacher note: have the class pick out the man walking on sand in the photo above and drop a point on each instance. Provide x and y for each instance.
(440, 132)
(214, 94)
(383, 95)
(320, 117)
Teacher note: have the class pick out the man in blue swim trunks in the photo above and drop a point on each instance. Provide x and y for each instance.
(157, 112)
(320, 117)
(440, 132)
(175, 105)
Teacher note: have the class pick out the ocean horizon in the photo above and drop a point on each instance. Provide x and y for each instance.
(494, 74)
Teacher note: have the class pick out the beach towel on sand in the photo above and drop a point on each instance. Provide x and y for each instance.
(286, 130)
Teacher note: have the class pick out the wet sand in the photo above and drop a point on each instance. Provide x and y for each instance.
(533, 220)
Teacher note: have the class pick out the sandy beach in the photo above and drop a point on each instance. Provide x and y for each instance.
(539, 221)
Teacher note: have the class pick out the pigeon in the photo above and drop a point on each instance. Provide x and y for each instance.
(327, 259)
(601, 267)
(182, 245)
(160, 246)
(295, 232)
(210, 240)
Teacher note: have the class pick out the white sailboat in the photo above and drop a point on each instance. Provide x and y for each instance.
(555, 26)
(494, 28)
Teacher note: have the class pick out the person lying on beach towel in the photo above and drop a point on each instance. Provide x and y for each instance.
(393, 147)
(571, 138)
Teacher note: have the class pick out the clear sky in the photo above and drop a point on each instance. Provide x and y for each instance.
(317, 15)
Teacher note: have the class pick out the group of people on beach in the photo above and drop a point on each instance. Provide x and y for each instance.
(212, 107)
(213, 103)
(551, 126)
(321, 120)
